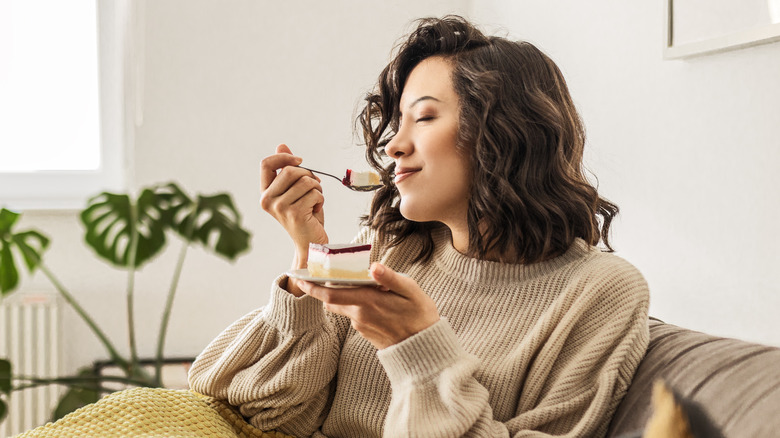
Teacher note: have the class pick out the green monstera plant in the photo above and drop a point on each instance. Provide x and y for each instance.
(127, 233)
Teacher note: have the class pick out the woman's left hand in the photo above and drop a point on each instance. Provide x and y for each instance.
(386, 314)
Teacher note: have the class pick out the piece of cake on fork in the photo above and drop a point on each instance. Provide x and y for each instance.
(361, 179)
(344, 261)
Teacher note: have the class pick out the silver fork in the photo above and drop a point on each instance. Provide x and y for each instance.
(368, 188)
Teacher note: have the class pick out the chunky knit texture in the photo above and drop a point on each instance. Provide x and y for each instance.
(152, 413)
(538, 350)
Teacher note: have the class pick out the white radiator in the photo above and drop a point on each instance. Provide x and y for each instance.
(29, 338)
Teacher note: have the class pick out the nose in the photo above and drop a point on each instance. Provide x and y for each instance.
(399, 146)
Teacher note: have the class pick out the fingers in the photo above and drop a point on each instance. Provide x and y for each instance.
(294, 180)
(293, 187)
(272, 163)
(283, 149)
(381, 317)
(391, 280)
(311, 201)
(337, 296)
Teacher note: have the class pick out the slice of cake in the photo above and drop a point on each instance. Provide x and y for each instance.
(339, 261)
(359, 179)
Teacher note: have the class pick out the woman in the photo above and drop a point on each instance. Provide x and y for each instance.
(510, 322)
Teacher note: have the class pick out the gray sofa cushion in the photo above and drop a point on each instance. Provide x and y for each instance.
(737, 382)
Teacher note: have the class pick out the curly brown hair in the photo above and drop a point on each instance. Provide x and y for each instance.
(530, 198)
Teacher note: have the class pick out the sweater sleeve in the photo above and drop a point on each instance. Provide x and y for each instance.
(276, 364)
(590, 343)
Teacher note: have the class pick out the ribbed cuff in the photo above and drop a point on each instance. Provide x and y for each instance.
(290, 314)
(423, 354)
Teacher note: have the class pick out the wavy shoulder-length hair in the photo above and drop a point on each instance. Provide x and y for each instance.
(529, 198)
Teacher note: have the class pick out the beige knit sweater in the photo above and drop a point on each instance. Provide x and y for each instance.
(537, 350)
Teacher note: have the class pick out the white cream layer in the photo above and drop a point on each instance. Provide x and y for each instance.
(363, 178)
(349, 261)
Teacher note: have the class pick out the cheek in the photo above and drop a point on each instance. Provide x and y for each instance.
(455, 173)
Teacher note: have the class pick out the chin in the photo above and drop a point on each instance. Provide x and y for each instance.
(410, 213)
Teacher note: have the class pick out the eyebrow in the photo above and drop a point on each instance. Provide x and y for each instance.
(420, 100)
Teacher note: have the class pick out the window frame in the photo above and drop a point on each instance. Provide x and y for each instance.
(70, 190)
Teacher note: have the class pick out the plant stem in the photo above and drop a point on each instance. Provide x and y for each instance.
(131, 288)
(87, 388)
(74, 379)
(167, 313)
(119, 360)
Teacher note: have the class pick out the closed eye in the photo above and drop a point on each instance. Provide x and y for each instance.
(424, 119)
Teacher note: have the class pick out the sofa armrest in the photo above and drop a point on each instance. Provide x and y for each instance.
(737, 382)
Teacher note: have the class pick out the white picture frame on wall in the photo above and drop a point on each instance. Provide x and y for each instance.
(703, 27)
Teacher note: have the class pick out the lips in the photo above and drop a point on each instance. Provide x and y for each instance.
(401, 173)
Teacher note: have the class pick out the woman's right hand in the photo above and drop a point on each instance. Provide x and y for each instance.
(294, 198)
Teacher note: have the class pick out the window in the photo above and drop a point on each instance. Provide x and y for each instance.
(61, 101)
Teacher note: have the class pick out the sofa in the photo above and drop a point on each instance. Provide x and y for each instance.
(737, 383)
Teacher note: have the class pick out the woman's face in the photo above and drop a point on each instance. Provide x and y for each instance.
(431, 174)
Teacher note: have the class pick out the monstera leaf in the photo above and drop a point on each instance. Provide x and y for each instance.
(31, 244)
(174, 204)
(214, 222)
(113, 223)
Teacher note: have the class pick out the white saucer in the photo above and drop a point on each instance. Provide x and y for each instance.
(303, 274)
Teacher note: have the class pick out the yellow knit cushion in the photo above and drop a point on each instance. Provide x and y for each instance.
(153, 412)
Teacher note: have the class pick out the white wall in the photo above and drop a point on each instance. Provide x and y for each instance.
(688, 149)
